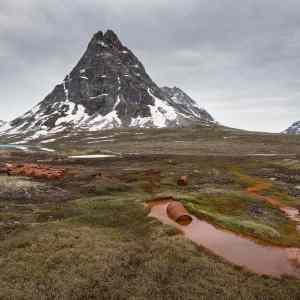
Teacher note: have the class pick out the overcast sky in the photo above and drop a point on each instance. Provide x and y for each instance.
(238, 59)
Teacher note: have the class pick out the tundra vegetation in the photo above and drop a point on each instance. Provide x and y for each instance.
(88, 234)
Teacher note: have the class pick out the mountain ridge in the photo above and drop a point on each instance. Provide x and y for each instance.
(186, 103)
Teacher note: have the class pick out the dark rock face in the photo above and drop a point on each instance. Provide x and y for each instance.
(108, 88)
(294, 129)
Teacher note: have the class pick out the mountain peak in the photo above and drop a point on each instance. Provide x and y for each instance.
(107, 39)
(112, 39)
(108, 88)
(98, 35)
(111, 35)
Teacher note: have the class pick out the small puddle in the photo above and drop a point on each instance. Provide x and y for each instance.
(264, 260)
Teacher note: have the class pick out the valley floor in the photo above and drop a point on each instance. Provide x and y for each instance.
(89, 236)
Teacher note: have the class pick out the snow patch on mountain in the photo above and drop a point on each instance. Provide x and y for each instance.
(161, 112)
(186, 105)
(74, 115)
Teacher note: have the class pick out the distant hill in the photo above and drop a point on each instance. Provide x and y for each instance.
(294, 128)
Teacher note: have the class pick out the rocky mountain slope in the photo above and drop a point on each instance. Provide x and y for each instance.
(186, 104)
(294, 128)
(108, 88)
(2, 123)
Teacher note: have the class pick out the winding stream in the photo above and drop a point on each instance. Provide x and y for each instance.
(261, 259)
(25, 147)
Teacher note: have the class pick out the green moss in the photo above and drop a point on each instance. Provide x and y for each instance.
(106, 188)
(235, 211)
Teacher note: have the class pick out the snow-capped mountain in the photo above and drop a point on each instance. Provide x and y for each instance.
(108, 88)
(186, 104)
(294, 128)
(1, 123)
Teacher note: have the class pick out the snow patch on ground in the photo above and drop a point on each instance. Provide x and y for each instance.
(20, 142)
(101, 141)
(48, 141)
(101, 137)
(47, 149)
(92, 156)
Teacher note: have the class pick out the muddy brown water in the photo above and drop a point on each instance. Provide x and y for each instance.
(238, 250)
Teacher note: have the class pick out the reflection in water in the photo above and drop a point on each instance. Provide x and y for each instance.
(268, 260)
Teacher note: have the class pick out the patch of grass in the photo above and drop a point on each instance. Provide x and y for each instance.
(111, 250)
(266, 188)
(279, 193)
(109, 187)
(243, 214)
(111, 212)
(238, 224)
